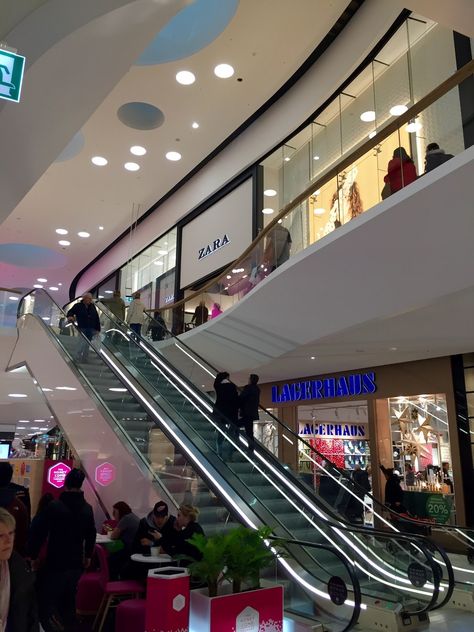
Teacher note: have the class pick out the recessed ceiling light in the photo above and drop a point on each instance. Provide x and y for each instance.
(280, 221)
(101, 228)
(313, 357)
(317, 192)
(38, 286)
(18, 395)
(131, 166)
(185, 77)
(319, 211)
(64, 242)
(13, 298)
(42, 280)
(195, 125)
(61, 231)
(414, 126)
(45, 318)
(83, 234)
(138, 150)
(158, 263)
(393, 348)
(223, 71)
(46, 390)
(59, 283)
(23, 421)
(368, 116)
(66, 388)
(268, 211)
(270, 192)
(99, 161)
(372, 134)
(173, 155)
(315, 157)
(53, 288)
(287, 159)
(398, 110)
(162, 252)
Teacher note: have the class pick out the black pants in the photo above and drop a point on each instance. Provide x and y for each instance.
(247, 424)
(57, 599)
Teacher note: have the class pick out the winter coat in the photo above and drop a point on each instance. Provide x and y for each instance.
(177, 543)
(249, 400)
(393, 491)
(227, 401)
(116, 305)
(68, 526)
(85, 315)
(435, 158)
(22, 613)
(400, 174)
(136, 312)
(146, 527)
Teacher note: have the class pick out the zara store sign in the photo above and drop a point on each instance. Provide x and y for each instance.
(327, 388)
(211, 248)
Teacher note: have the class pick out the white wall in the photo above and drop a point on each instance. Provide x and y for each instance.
(343, 56)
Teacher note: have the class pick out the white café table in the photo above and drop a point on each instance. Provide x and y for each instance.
(151, 559)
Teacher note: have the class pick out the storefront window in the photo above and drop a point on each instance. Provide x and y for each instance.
(421, 454)
(265, 430)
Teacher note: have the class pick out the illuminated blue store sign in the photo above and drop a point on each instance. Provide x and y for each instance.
(328, 388)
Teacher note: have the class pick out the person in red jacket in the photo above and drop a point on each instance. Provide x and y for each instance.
(401, 171)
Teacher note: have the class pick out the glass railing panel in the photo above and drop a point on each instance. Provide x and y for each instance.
(8, 306)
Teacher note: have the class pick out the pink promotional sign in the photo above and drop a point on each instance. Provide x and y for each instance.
(105, 474)
(57, 474)
(167, 600)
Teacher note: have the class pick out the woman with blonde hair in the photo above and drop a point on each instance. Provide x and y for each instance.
(17, 594)
(185, 526)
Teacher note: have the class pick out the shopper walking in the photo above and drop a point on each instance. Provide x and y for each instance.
(435, 156)
(136, 314)
(88, 323)
(400, 171)
(201, 314)
(67, 525)
(158, 327)
(116, 305)
(226, 406)
(249, 401)
(18, 611)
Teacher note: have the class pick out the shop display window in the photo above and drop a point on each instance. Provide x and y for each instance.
(265, 430)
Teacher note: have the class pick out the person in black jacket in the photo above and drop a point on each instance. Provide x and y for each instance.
(226, 406)
(88, 323)
(68, 527)
(435, 156)
(22, 493)
(393, 490)
(17, 593)
(249, 401)
(185, 526)
(151, 529)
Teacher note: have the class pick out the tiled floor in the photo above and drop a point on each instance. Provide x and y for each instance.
(447, 620)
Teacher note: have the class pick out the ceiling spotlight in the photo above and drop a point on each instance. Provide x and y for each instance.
(315, 157)
(13, 298)
(287, 159)
(38, 286)
(99, 161)
(398, 110)
(101, 228)
(313, 357)
(42, 280)
(268, 211)
(270, 192)
(138, 150)
(195, 125)
(368, 116)
(162, 252)
(173, 156)
(64, 242)
(53, 288)
(317, 192)
(223, 71)
(83, 234)
(158, 263)
(17, 395)
(61, 231)
(59, 283)
(319, 211)
(185, 77)
(131, 166)
(393, 348)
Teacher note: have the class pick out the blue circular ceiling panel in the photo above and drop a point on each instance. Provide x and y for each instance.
(139, 115)
(72, 149)
(31, 256)
(191, 30)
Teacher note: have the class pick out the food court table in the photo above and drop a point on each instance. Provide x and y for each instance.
(151, 559)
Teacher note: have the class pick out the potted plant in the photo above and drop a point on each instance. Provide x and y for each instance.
(231, 566)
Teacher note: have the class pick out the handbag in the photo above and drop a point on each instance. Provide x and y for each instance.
(386, 191)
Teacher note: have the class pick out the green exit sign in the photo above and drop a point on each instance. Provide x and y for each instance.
(11, 75)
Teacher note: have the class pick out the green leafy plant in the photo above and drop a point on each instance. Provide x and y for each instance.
(239, 556)
(246, 555)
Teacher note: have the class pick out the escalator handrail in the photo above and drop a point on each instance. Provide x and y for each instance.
(283, 425)
(421, 542)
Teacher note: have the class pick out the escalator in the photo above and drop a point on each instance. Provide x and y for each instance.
(260, 485)
(345, 492)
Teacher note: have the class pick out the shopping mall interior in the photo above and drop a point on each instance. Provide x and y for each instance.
(236, 307)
